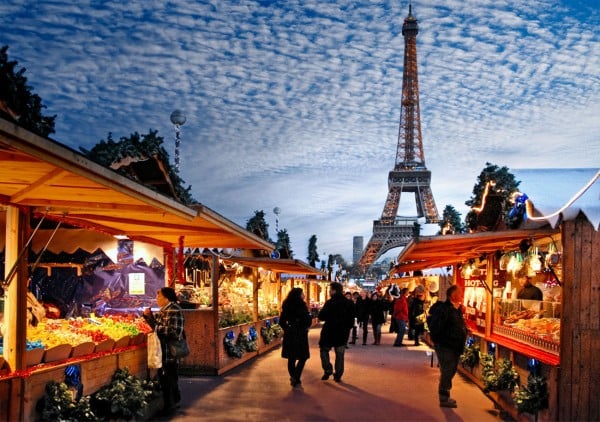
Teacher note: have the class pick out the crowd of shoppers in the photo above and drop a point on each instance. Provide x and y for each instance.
(344, 313)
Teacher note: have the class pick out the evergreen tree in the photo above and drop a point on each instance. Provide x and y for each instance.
(340, 260)
(450, 222)
(313, 255)
(17, 101)
(329, 266)
(283, 245)
(259, 226)
(503, 185)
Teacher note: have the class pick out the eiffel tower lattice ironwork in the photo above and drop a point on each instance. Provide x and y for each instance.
(409, 174)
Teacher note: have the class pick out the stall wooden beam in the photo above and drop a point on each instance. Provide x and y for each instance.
(15, 306)
(214, 277)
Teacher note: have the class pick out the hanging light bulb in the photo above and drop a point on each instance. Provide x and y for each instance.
(466, 270)
(533, 261)
(512, 263)
(503, 262)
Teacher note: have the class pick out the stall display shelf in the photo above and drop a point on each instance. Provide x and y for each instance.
(83, 349)
(138, 339)
(525, 349)
(34, 356)
(122, 342)
(546, 344)
(59, 352)
(105, 346)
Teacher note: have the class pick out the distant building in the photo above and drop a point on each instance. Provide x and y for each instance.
(357, 248)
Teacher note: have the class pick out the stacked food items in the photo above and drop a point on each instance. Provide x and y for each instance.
(543, 327)
(516, 316)
(50, 333)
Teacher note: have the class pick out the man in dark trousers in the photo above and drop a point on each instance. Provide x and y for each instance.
(449, 334)
(338, 315)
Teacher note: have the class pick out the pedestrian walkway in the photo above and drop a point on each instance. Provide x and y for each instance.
(380, 383)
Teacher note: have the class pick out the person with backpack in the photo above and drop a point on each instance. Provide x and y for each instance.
(449, 333)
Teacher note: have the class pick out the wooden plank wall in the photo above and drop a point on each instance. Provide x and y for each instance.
(580, 327)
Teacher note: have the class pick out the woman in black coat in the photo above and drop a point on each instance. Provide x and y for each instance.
(416, 308)
(377, 311)
(295, 321)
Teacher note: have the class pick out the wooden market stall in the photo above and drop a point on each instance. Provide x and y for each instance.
(44, 181)
(248, 292)
(554, 339)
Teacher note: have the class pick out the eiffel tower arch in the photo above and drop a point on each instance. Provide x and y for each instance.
(410, 175)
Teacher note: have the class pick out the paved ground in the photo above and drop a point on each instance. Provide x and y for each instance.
(381, 383)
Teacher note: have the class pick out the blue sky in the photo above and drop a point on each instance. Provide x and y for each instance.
(296, 104)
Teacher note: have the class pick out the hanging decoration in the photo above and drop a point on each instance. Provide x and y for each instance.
(518, 212)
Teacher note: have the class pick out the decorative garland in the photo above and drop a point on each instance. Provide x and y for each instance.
(497, 376)
(266, 333)
(248, 342)
(276, 330)
(470, 356)
(271, 331)
(232, 347)
(533, 397)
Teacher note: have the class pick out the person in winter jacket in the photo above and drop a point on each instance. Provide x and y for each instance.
(168, 324)
(417, 308)
(376, 310)
(338, 315)
(295, 321)
(400, 315)
(449, 334)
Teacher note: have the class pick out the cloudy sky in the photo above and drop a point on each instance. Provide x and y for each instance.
(295, 104)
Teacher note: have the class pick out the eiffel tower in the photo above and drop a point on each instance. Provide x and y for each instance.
(409, 174)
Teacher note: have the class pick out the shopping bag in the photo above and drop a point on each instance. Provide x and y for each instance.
(154, 351)
(179, 348)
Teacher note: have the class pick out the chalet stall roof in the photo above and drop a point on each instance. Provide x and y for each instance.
(555, 195)
(62, 184)
(286, 266)
(440, 251)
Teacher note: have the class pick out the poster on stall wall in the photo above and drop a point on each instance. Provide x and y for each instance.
(137, 284)
(474, 301)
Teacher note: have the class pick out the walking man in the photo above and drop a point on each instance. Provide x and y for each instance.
(449, 334)
(338, 315)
